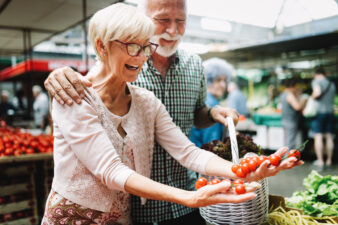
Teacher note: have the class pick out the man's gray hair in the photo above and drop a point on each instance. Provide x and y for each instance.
(215, 67)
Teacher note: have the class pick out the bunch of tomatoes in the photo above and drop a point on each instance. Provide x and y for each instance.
(15, 142)
(247, 165)
(238, 185)
(250, 164)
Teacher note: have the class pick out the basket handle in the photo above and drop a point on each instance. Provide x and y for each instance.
(233, 140)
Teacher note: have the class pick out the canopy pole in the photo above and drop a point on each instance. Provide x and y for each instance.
(84, 13)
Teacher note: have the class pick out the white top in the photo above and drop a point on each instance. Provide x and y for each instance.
(41, 108)
(92, 161)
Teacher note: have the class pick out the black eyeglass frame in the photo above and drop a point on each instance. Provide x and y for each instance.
(142, 47)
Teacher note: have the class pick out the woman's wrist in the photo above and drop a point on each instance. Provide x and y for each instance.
(186, 198)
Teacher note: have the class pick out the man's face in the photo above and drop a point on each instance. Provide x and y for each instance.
(169, 17)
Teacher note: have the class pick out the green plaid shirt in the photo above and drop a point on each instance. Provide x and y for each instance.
(182, 92)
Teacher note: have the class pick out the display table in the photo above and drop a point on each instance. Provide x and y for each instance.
(270, 133)
(275, 120)
(270, 120)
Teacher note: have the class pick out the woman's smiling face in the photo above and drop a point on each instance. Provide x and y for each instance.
(121, 63)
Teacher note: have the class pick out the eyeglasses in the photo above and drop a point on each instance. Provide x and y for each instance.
(135, 49)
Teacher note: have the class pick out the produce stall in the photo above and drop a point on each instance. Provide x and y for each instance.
(26, 164)
(270, 134)
(317, 204)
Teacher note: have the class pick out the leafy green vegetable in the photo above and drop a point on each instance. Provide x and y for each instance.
(320, 197)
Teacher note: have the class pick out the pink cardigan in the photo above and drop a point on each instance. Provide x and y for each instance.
(88, 151)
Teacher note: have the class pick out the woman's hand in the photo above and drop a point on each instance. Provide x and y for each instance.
(268, 170)
(218, 193)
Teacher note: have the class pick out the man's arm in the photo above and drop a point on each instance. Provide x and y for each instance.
(205, 118)
(66, 85)
(201, 119)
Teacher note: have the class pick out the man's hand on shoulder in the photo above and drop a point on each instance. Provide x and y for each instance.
(66, 85)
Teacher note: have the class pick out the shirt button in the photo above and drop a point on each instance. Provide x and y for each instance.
(166, 94)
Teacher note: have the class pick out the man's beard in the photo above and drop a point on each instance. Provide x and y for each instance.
(167, 50)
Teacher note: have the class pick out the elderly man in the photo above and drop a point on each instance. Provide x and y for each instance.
(177, 78)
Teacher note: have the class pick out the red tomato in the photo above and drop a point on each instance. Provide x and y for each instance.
(256, 159)
(235, 167)
(237, 182)
(274, 160)
(17, 153)
(30, 151)
(200, 182)
(240, 189)
(253, 165)
(240, 173)
(245, 167)
(214, 181)
(262, 159)
(245, 160)
(294, 153)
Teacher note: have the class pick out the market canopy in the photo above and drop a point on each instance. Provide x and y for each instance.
(40, 68)
(27, 23)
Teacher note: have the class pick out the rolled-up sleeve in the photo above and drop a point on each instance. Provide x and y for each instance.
(80, 126)
(173, 140)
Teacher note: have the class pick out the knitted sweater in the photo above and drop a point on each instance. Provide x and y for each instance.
(92, 161)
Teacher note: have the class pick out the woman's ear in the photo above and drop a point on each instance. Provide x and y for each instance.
(101, 48)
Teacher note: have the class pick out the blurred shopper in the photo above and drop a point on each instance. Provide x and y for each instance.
(292, 106)
(40, 107)
(7, 109)
(237, 100)
(20, 101)
(323, 90)
(217, 72)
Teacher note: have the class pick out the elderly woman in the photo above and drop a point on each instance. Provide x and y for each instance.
(103, 147)
(217, 72)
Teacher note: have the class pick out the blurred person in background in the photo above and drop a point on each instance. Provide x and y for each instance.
(217, 72)
(322, 125)
(7, 109)
(20, 101)
(292, 106)
(40, 108)
(236, 99)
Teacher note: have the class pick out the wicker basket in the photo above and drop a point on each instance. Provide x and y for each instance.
(252, 212)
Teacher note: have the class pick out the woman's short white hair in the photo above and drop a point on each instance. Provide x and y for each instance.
(119, 22)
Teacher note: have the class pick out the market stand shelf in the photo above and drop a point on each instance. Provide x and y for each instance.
(25, 182)
(26, 158)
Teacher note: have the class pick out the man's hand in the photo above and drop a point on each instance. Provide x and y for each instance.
(219, 114)
(65, 85)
